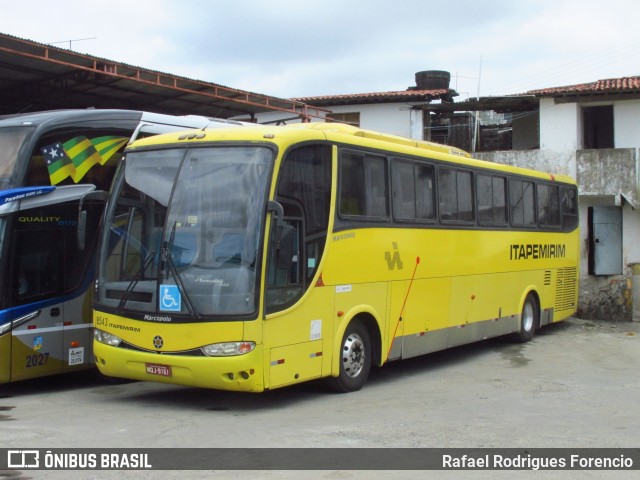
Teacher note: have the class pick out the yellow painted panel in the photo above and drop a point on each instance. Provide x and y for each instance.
(5, 358)
(295, 363)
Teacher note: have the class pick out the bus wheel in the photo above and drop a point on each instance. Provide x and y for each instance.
(355, 359)
(528, 320)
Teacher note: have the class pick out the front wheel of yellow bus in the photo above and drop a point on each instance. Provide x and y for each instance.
(355, 359)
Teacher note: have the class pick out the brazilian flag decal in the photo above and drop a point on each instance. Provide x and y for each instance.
(75, 157)
(83, 154)
(59, 164)
(107, 146)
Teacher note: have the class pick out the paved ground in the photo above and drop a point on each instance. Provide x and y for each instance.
(575, 385)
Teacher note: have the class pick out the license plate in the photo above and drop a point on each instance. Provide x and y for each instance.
(162, 370)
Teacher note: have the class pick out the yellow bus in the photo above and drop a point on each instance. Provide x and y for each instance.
(258, 257)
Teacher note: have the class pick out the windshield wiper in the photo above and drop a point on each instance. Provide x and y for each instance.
(167, 259)
(137, 277)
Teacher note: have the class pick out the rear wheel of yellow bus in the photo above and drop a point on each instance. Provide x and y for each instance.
(529, 319)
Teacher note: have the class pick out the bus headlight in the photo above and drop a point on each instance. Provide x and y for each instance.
(105, 337)
(228, 349)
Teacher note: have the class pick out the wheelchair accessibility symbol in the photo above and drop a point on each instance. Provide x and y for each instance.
(170, 298)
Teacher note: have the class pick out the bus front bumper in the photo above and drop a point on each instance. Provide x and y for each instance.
(237, 373)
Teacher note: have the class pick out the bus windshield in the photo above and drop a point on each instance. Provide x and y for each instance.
(183, 231)
(11, 140)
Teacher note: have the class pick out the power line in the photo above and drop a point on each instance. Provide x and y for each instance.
(588, 63)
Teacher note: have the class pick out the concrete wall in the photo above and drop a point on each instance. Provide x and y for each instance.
(626, 124)
(560, 126)
(562, 162)
(608, 172)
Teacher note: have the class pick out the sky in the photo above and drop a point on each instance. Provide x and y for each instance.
(304, 48)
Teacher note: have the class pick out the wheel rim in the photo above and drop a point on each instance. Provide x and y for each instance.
(527, 317)
(353, 355)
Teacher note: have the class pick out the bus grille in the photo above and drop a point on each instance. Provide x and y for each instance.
(566, 289)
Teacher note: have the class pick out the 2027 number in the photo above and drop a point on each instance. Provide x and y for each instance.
(37, 360)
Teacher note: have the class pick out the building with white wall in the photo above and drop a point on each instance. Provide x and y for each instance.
(394, 112)
(592, 131)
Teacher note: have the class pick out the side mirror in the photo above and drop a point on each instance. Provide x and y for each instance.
(277, 210)
(282, 236)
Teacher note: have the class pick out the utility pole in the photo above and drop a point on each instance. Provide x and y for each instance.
(476, 129)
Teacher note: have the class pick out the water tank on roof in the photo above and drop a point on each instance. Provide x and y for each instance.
(432, 79)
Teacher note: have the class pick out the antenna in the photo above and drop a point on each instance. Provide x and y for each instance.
(476, 129)
(73, 40)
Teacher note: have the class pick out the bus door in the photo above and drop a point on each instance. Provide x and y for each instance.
(299, 334)
(49, 278)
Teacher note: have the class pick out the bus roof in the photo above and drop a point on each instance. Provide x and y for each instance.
(40, 118)
(114, 115)
(349, 135)
(345, 129)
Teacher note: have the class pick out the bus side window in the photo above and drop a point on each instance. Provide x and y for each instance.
(46, 261)
(87, 154)
(569, 208)
(412, 191)
(304, 191)
(284, 278)
(521, 203)
(363, 185)
(455, 195)
(492, 199)
(548, 205)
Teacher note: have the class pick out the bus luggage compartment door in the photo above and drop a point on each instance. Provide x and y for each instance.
(295, 363)
(36, 345)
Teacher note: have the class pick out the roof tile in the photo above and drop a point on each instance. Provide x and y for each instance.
(403, 95)
(609, 85)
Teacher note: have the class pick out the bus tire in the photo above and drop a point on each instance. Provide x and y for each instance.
(529, 320)
(355, 359)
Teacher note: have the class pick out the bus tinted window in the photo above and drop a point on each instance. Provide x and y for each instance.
(548, 206)
(78, 155)
(412, 191)
(11, 139)
(46, 259)
(521, 202)
(492, 200)
(304, 190)
(455, 195)
(363, 185)
(569, 207)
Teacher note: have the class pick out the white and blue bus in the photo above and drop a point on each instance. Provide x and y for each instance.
(51, 164)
